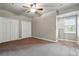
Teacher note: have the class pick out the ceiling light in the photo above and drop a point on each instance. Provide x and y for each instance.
(33, 10)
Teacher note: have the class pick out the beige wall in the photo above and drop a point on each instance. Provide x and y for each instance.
(45, 26)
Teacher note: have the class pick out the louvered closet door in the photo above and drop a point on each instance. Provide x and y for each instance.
(14, 29)
(9, 29)
(1, 31)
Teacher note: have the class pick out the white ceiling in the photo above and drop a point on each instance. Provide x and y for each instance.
(18, 9)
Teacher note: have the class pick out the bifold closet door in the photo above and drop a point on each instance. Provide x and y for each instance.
(78, 28)
(26, 29)
(8, 29)
(1, 31)
(14, 29)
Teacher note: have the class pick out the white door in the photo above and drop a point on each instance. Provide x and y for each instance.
(1, 31)
(8, 29)
(78, 28)
(14, 28)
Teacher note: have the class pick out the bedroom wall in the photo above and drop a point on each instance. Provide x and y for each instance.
(45, 26)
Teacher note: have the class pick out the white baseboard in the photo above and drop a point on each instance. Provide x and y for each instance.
(68, 40)
(45, 39)
(23, 37)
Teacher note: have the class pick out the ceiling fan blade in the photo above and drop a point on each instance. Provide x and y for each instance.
(38, 13)
(25, 6)
(41, 9)
(27, 11)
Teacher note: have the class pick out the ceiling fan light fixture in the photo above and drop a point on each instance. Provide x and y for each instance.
(33, 10)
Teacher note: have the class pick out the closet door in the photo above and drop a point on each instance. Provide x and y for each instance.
(14, 29)
(26, 29)
(9, 29)
(78, 28)
(4, 30)
(1, 31)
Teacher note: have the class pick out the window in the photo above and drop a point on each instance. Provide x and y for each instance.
(70, 24)
(66, 27)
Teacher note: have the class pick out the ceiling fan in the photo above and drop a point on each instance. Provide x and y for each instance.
(34, 8)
